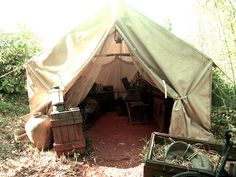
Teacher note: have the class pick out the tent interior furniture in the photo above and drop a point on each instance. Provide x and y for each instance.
(137, 112)
(136, 108)
(105, 97)
(127, 86)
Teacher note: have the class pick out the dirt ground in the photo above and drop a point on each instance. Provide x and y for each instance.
(117, 152)
(118, 145)
(116, 142)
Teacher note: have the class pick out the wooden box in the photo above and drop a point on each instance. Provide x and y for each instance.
(162, 113)
(67, 132)
(156, 168)
(106, 100)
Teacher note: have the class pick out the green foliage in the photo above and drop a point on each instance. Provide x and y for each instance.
(15, 50)
(218, 40)
(223, 119)
(223, 105)
(13, 105)
(218, 37)
(223, 92)
(4, 121)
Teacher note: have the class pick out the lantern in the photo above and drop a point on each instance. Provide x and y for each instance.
(117, 37)
(56, 96)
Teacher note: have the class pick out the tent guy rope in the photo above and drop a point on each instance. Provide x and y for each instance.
(6, 74)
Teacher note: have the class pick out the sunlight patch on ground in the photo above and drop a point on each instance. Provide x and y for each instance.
(115, 172)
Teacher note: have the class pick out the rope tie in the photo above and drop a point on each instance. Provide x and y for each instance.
(6, 74)
(181, 98)
(164, 84)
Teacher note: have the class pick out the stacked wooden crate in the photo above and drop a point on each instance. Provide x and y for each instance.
(67, 132)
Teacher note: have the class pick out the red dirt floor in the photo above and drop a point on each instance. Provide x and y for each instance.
(118, 144)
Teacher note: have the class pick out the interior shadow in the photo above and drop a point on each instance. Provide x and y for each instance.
(116, 142)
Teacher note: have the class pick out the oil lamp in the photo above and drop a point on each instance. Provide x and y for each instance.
(56, 96)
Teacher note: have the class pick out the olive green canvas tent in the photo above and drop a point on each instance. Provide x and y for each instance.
(90, 54)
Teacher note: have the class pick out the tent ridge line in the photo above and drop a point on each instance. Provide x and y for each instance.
(114, 54)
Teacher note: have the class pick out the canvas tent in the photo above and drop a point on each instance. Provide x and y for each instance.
(90, 54)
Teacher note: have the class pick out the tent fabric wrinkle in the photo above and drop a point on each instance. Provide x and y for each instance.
(89, 54)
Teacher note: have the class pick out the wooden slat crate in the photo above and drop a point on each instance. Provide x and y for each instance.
(156, 168)
(67, 132)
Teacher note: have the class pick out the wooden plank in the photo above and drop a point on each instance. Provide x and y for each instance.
(57, 123)
(161, 168)
(114, 54)
(71, 147)
(71, 133)
(68, 133)
(161, 138)
(64, 134)
(78, 132)
(57, 135)
(65, 115)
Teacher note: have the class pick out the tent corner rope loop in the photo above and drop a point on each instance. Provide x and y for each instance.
(179, 99)
(164, 84)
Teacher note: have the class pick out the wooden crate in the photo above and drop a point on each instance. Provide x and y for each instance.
(155, 168)
(67, 132)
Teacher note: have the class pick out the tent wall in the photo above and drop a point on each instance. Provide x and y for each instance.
(112, 73)
(68, 59)
(167, 59)
(82, 58)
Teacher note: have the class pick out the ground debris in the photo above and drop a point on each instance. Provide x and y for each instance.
(159, 152)
(39, 164)
(107, 159)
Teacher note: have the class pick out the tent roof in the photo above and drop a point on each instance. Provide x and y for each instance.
(89, 54)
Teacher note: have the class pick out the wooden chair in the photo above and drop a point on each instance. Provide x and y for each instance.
(136, 108)
(137, 112)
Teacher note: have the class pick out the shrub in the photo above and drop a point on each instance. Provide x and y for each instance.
(223, 92)
(223, 104)
(15, 50)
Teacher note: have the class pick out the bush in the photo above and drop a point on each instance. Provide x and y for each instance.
(223, 92)
(15, 50)
(223, 105)
(222, 120)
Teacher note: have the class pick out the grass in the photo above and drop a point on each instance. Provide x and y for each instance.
(13, 105)
(10, 110)
(22, 158)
